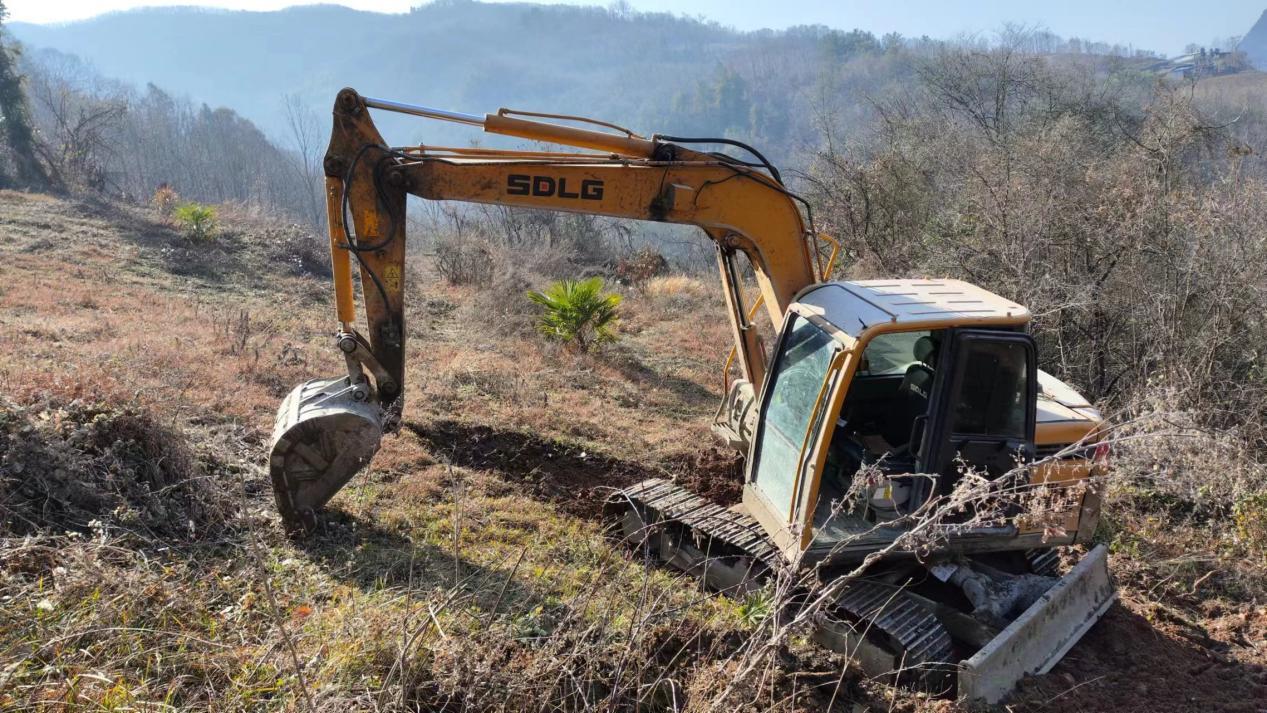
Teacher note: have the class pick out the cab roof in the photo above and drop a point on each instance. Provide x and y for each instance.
(899, 305)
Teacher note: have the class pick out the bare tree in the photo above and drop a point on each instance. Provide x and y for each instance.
(78, 144)
(306, 137)
(1108, 203)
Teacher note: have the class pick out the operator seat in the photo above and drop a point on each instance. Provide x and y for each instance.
(913, 393)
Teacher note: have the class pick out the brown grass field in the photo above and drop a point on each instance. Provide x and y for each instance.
(467, 568)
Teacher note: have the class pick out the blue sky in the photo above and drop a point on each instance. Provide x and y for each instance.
(1161, 25)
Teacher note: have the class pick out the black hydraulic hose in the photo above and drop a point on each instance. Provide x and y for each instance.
(728, 142)
(352, 244)
(763, 161)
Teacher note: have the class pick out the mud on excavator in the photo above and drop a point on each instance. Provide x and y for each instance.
(883, 401)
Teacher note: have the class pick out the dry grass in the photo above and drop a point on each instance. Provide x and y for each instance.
(1244, 89)
(425, 561)
(466, 569)
(674, 286)
(1177, 508)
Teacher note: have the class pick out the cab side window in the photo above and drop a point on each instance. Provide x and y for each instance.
(992, 396)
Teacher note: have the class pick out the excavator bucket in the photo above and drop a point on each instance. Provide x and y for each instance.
(1037, 639)
(326, 431)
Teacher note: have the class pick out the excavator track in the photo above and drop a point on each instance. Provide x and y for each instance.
(721, 531)
(1044, 562)
(919, 646)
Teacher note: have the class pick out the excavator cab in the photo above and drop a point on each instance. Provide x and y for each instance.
(982, 409)
(913, 381)
(880, 398)
(916, 427)
(967, 404)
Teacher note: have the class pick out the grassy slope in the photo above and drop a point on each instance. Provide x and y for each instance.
(1240, 89)
(466, 567)
(92, 309)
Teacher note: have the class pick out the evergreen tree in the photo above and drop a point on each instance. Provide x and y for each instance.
(15, 122)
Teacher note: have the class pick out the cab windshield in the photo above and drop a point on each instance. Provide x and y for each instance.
(796, 382)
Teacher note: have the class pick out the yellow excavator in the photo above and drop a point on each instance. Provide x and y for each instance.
(880, 405)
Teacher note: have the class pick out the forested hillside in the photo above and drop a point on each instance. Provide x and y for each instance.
(108, 137)
(116, 118)
(648, 71)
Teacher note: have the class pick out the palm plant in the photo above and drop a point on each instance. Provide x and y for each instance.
(577, 312)
(199, 221)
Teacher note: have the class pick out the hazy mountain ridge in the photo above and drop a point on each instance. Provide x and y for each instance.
(652, 72)
(465, 56)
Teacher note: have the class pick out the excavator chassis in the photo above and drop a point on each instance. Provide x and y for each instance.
(886, 629)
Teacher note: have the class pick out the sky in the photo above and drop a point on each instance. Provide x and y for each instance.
(1161, 25)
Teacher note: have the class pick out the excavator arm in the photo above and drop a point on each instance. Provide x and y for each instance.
(327, 430)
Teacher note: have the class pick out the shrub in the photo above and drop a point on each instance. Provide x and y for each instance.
(577, 312)
(464, 262)
(641, 266)
(1251, 522)
(674, 286)
(197, 220)
(757, 606)
(500, 307)
(164, 201)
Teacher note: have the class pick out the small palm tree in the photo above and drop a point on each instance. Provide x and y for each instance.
(199, 221)
(577, 312)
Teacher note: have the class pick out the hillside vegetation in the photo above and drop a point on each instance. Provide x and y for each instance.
(653, 72)
(143, 563)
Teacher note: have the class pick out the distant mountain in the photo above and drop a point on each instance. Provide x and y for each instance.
(453, 54)
(1254, 44)
(652, 72)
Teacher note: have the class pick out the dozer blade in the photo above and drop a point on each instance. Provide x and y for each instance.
(326, 431)
(1042, 634)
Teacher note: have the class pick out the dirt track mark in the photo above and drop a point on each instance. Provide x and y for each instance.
(573, 478)
(576, 479)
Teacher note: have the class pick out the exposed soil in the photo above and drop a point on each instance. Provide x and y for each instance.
(1143, 658)
(64, 466)
(713, 473)
(576, 480)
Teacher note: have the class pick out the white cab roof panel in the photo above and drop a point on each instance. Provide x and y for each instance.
(857, 305)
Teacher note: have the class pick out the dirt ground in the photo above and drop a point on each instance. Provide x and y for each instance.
(1143, 658)
(508, 448)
